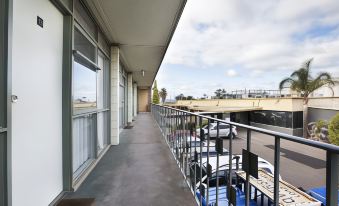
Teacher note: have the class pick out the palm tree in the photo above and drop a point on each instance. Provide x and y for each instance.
(163, 94)
(302, 82)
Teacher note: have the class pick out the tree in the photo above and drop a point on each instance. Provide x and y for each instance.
(163, 94)
(302, 82)
(155, 98)
(180, 97)
(220, 93)
(333, 130)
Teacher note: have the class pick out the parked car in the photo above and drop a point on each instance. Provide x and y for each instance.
(222, 200)
(222, 179)
(224, 130)
(223, 170)
(319, 193)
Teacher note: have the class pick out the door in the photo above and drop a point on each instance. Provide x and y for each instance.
(3, 105)
(36, 125)
(143, 100)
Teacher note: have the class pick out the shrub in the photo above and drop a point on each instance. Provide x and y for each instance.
(320, 124)
(333, 130)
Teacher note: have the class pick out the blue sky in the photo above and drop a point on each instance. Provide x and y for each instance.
(238, 44)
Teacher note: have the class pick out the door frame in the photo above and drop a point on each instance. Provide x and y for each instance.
(5, 106)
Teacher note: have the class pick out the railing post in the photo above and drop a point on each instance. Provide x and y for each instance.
(230, 157)
(247, 183)
(332, 165)
(208, 161)
(201, 138)
(276, 170)
(217, 171)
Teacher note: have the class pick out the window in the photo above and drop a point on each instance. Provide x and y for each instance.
(275, 118)
(297, 119)
(85, 88)
(223, 126)
(84, 46)
(84, 19)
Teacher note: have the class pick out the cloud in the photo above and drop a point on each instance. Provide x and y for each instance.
(231, 73)
(259, 43)
(259, 37)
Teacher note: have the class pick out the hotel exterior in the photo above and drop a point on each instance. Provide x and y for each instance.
(75, 103)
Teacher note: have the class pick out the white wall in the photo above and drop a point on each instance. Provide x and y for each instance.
(37, 116)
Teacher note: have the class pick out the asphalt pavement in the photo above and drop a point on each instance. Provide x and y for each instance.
(300, 165)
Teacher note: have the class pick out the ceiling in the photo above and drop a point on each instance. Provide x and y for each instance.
(141, 29)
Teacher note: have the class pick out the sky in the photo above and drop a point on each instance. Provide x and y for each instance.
(238, 44)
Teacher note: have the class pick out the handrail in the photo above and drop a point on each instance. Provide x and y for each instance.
(320, 145)
(176, 120)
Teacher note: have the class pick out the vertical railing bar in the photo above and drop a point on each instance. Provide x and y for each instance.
(217, 169)
(195, 150)
(247, 182)
(200, 157)
(230, 156)
(208, 161)
(332, 172)
(276, 170)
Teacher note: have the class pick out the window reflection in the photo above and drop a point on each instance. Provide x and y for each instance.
(85, 94)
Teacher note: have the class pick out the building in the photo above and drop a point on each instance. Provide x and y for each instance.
(73, 75)
(325, 91)
(277, 114)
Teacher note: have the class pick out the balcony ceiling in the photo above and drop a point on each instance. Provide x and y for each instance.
(142, 29)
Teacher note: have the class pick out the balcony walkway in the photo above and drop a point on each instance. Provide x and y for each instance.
(138, 171)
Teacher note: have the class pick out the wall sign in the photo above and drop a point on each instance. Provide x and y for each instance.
(40, 22)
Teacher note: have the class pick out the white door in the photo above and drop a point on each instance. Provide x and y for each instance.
(37, 113)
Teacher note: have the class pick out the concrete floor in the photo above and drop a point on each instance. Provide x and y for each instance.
(138, 171)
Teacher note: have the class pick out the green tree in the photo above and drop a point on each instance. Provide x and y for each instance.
(155, 98)
(163, 94)
(302, 82)
(333, 130)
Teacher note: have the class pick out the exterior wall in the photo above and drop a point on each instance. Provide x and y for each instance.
(36, 177)
(296, 132)
(324, 103)
(143, 96)
(130, 98)
(315, 114)
(277, 104)
(115, 95)
(135, 98)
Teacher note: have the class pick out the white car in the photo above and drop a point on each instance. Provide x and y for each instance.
(224, 130)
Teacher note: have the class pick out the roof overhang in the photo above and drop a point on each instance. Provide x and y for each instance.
(141, 29)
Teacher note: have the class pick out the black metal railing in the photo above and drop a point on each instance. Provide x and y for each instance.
(198, 157)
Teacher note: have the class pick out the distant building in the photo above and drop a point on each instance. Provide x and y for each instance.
(325, 91)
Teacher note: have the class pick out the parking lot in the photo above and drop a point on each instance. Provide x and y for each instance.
(300, 165)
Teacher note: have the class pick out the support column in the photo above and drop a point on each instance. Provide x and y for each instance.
(115, 95)
(129, 98)
(135, 98)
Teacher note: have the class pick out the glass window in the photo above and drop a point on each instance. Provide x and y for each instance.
(297, 119)
(275, 118)
(84, 46)
(85, 87)
(84, 19)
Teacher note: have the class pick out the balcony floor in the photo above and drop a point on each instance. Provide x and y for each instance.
(138, 171)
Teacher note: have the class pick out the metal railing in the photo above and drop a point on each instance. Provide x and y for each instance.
(189, 144)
